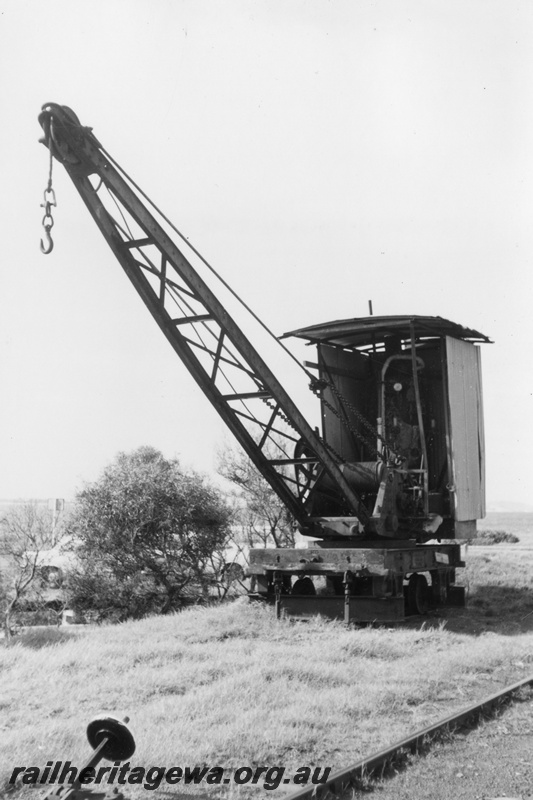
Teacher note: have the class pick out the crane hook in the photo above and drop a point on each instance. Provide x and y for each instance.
(48, 220)
(49, 246)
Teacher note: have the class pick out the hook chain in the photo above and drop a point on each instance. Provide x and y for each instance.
(49, 201)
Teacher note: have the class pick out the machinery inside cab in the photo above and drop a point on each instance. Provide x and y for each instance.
(401, 402)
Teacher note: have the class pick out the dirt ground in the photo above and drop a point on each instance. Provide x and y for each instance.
(491, 761)
(494, 759)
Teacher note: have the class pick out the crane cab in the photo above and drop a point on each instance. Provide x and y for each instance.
(402, 397)
(401, 408)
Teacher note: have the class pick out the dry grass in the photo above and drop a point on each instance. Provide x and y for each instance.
(231, 686)
(499, 580)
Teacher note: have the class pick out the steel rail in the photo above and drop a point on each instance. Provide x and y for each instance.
(366, 767)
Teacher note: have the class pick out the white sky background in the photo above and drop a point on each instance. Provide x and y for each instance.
(319, 154)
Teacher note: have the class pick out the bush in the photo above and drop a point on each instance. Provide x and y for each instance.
(36, 638)
(147, 537)
(494, 537)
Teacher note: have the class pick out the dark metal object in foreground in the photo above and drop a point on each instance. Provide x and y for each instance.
(112, 740)
(366, 767)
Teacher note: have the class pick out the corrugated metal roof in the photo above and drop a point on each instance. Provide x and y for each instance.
(362, 331)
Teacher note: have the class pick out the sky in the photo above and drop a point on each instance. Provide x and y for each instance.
(319, 154)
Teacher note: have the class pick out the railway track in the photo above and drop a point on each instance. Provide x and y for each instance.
(377, 763)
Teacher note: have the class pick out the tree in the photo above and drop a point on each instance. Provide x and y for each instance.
(145, 533)
(264, 519)
(26, 531)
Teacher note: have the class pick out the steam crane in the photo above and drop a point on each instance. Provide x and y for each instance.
(399, 463)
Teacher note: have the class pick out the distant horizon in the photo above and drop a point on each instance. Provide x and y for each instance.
(494, 507)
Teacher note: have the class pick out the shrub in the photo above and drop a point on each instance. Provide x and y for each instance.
(494, 537)
(36, 638)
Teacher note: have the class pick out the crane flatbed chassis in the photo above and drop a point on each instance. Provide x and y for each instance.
(371, 584)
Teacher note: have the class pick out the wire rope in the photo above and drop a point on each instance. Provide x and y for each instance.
(206, 263)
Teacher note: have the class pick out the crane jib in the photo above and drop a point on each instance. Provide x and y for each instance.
(290, 455)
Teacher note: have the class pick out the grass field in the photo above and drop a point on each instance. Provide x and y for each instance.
(230, 686)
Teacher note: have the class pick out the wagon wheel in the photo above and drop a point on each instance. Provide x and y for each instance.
(417, 594)
(304, 586)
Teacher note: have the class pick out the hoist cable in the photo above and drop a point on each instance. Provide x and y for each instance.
(206, 263)
(316, 386)
(308, 374)
(178, 302)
